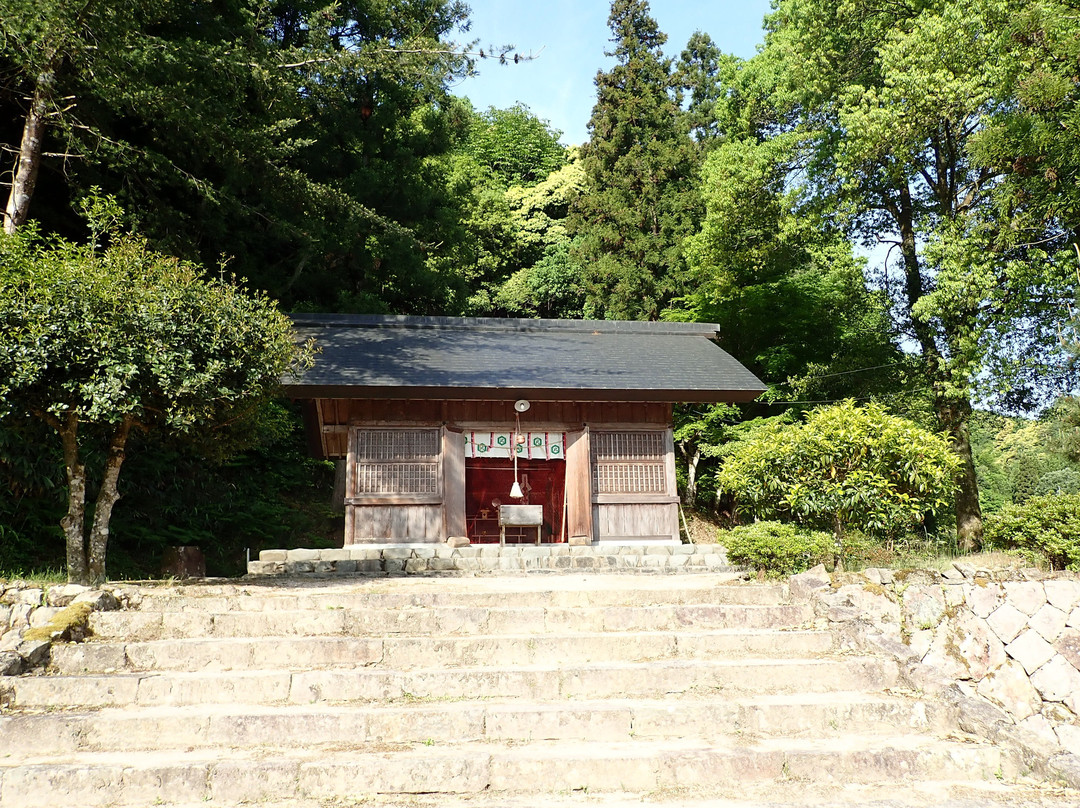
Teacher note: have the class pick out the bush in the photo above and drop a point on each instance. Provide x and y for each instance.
(1049, 525)
(843, 467)
(777, 548)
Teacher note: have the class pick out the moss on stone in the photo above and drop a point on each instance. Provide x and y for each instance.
(69, 621)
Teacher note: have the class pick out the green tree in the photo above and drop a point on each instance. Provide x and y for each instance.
(520, 148)
(782, 282)
(303, 140)
(704, 74)
(98, 343)
(887, 104)
(843, 467)
(640, 198)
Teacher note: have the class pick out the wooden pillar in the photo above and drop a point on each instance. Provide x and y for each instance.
(579, 488)
(453, 471)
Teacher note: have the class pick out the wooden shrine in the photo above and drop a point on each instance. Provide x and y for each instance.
(441, 422)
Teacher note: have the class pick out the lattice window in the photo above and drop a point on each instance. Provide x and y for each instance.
(629, 462)
(397, 461)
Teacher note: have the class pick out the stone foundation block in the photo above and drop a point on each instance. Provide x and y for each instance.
(1064, 595)
(1030, 650)
(1010, 688)
(1049, 621)
(1027, 596)
(1007, 622)
(279, 556)
(302, 554)
(1068, 645)
(1056, 680)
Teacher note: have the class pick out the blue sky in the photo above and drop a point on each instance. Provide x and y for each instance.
(571, 36)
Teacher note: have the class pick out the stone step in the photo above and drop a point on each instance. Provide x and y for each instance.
(585, 681)
(444, 620)
(296, 653)
(428, 558)
(283, 726)
(567, 591)
(230, 776)
(782, 793)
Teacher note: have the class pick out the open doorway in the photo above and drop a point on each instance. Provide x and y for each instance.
(488, 481)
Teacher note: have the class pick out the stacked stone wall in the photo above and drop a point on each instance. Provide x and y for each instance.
(1007, 637)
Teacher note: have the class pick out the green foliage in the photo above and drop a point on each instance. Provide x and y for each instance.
(300, 139)
(99, 343)
(777, 549)
(520, 148)
(640, 199)
(1024, 474)
(270, 496)
(1049, 525)
(125, 332)
(1062, 481)
(909, 123)
(843, 467)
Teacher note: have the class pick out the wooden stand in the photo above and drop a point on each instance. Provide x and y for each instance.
(520, 516)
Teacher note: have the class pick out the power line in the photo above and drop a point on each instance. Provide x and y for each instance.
(856, 370)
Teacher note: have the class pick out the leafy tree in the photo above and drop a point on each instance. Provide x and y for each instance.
(98, 343)
(843, 467)
(888, 103)
(640, 199)
(520, 148)
(790, 297)
(1062, 481)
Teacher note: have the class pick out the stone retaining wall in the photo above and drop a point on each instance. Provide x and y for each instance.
(25, 606)
(441, 558)
(1008, 637)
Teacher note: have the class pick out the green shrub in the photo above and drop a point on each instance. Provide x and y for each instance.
(776, 548)
(1049, 525)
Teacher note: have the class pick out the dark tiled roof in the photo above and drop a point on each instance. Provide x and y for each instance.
(459, 358)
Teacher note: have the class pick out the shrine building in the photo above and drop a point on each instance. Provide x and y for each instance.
(542, 431)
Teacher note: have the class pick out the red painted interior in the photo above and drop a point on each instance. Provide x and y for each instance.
(488, 479)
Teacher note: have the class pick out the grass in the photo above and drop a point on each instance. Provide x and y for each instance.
(47, 576)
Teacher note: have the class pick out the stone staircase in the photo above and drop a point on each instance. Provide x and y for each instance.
(516, 690)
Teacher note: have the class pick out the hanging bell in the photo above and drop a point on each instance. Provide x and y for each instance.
(515, 491)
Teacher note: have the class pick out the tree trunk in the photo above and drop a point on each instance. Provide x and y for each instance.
(74, 522)
(838, 540)
(692, 461)
(955, 415)
(107, 497)
(29, 158)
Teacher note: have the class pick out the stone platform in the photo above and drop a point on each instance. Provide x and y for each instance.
(420, 559)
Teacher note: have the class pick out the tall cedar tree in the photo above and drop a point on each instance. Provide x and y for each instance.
(640, 165)
(299, 138)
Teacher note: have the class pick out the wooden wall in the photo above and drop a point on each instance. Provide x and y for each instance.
(623, 517)
(628, 521)
(393, 523)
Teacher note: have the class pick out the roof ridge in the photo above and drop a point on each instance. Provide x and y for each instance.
(504, 324)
